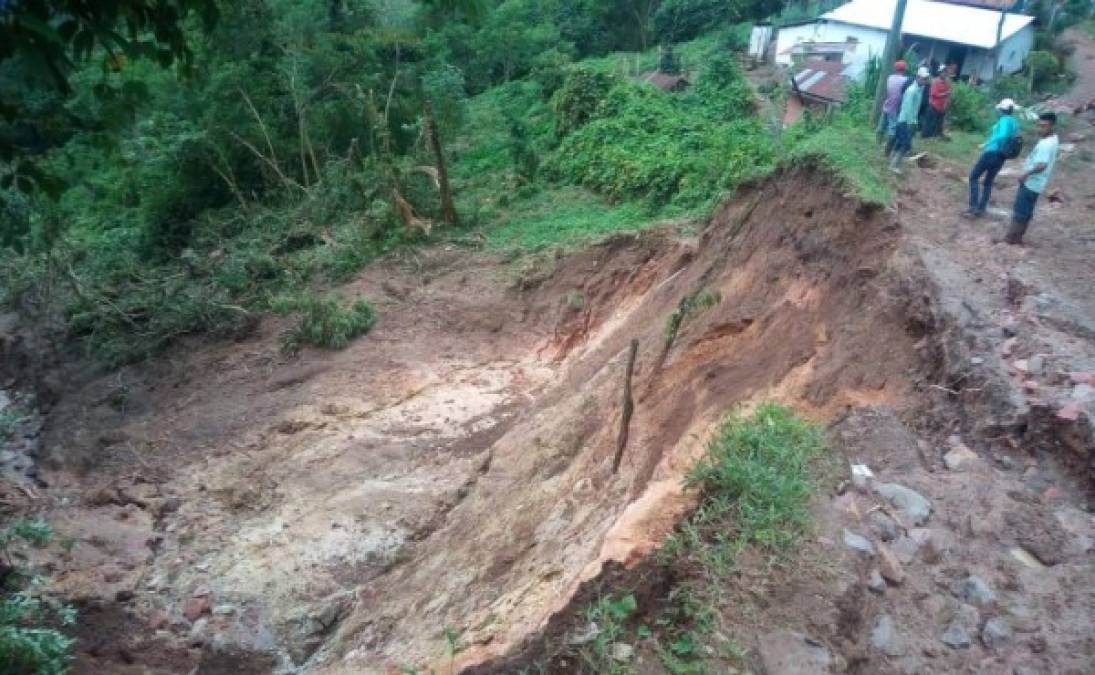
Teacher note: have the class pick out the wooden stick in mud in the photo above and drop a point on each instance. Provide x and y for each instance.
(628, 407)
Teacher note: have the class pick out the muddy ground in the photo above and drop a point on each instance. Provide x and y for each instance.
(230, 510)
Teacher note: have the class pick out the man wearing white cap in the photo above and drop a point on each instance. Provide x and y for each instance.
(907, 117)
(1001, 146)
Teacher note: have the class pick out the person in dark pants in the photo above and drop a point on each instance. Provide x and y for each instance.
(906, 119)
(992, 159)
(1032, 182)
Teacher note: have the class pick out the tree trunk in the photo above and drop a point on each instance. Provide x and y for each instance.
(448, 208)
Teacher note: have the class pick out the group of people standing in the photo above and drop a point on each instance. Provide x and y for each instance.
(912, 103)
(921, 102)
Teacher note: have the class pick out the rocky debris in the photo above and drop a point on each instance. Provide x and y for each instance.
(959, 457)
(621, 652)
(862, 476)
(914, 508)
(875, 582)
(198, 604)
(996, 632)
(787, 653)
(883, 526)
(930, 543)
(956, 637)
(974, 591)
(158, 620)
(1082, 393)
(858, 542)
(224, 610)
(1023, 556)
(198, 632)
(889, 566)
(961, 627)
(884, 637)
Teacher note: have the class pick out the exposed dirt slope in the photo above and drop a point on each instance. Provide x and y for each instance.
(452, 471)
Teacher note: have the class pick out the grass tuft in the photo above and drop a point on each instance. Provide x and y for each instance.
(325, 323)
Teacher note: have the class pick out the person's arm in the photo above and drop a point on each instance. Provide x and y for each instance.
(1041, 161)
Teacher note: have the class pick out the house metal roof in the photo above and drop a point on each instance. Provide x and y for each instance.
(823, 80)
(960, 24)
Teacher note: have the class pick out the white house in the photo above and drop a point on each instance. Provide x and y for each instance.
(938, 31)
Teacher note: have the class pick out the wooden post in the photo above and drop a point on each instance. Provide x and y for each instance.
(448, 208)
(889, 55)
(628, 408)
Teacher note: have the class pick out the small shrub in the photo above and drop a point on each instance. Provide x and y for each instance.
(577, 101)
(970, 108)
(325, 323)
(27, 647)
(1044, 65)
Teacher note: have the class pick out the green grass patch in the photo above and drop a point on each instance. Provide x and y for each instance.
(959, 147)
(755, 482)
(847, 147)
(325, 322)
(565, 216)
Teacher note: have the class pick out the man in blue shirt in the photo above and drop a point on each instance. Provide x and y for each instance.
(992, 158)
(1032, 182)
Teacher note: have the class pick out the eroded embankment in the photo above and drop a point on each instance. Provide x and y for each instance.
(451, 473)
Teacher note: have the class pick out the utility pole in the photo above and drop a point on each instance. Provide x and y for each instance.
(889, 55)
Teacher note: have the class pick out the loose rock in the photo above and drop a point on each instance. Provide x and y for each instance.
(890, 566)
(914, 508)
(884, 637)
(858, 542)
(787, 653)
(956, 637)
(960, 457)
(996, 632)
(883, 526)
(622, 652)
(875, 582)
(975, 591)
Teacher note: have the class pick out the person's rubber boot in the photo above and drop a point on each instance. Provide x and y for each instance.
(1015, 233)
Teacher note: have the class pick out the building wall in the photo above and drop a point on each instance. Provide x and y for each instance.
(790, 36)
(759, 41)
(1014, 51)
(872, 41)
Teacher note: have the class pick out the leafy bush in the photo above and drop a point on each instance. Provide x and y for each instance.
(1015, 87)
(970, 109)
(678, 20)
(577, 100)
(644, 143)
(27, 646)
(1044, 65)
(323, 322)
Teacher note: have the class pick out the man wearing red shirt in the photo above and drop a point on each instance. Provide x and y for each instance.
(939, 98)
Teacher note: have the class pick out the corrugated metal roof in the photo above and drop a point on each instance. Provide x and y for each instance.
(822, 79)
(937, 20)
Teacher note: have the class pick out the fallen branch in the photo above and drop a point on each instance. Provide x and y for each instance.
(628, 406)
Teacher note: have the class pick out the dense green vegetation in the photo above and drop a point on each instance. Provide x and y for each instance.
(192, 177)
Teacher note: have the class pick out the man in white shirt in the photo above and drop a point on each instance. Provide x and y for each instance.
(1032, 182)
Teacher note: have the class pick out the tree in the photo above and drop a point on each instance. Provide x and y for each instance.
(44, 39)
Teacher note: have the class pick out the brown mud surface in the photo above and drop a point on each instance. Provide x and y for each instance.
(452, 470)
